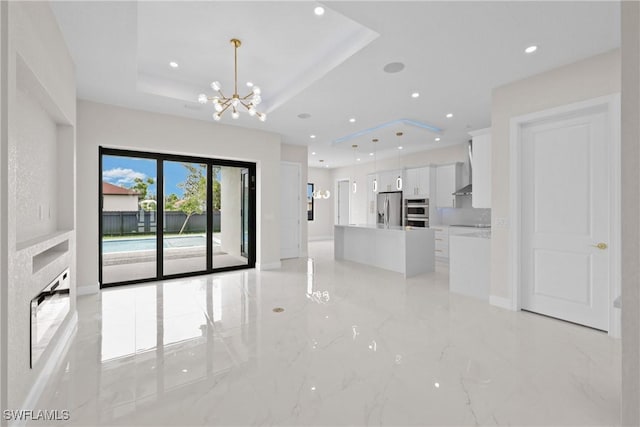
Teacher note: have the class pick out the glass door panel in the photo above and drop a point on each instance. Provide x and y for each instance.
(184, 217)
(128, 209)
(244, 213)
(229, 213)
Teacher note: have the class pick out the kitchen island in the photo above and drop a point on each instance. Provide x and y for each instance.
(470, 264)
(409, 251)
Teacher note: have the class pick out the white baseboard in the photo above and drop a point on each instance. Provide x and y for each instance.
(319, 238)
(500, 302)
(268, 266)
(49, 369)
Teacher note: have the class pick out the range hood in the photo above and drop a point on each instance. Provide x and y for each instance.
(464, 191)
(467, 189)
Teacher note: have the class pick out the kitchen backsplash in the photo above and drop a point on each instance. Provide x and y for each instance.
(468, 216)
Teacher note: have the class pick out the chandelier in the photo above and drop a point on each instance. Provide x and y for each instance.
(221, 103)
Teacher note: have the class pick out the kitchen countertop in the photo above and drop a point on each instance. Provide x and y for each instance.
(381, 227)
(475, 235)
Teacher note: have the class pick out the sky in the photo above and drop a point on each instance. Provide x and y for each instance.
(122, 171)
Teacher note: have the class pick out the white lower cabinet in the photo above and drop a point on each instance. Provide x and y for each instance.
(441, 242)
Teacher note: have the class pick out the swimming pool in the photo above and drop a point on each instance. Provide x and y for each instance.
(149, 243)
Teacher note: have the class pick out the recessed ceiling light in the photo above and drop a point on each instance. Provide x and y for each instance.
(173, 64)
(371, 154)
(304, 115)
(352, 120)
(437, 139)
(449, 115)
(394, 67)
(249, 84)
(313, 153)
(326, 166)
(319, 11)
(400, 147)
(415, 95)
(358, 159)
(312, 136)
(531, 49)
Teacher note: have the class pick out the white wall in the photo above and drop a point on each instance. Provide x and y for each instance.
(230, 205)
(115, 127)
(298, 154)
(4, 277)
(39, 138)
(630, 214)
(590, 78)
(321, 227)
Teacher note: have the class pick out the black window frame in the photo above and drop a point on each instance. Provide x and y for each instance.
(160, 158)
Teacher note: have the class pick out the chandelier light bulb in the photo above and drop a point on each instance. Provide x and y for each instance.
(252, 111)
(216, 117)
(263, 117)
(235, 115)
(215, 86)
(235, 101)
(257, 90)
(256, 100)
(202, 98)
(217, 106)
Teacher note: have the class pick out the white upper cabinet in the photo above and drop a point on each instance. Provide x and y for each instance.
(481, 195)
(388, 180)
(448, 180)
(417, 182)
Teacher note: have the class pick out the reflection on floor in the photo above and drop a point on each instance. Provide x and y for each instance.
(144, 270)
(354, 346)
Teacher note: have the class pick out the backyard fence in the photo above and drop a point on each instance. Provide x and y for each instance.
(123, 223)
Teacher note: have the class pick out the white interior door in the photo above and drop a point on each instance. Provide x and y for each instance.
(289, 210)
(565, 215)
(343, 202)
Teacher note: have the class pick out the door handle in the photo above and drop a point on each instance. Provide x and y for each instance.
(601, 246)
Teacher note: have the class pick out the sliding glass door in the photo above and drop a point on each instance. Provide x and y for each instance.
(172, 216)
(128, 207)
(230, 215)
(184, 217)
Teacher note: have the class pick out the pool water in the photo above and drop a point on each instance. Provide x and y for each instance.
(149, 243)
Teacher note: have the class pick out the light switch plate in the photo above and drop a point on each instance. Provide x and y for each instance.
(502, 222)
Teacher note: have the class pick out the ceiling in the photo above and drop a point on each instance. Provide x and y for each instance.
(331, 67)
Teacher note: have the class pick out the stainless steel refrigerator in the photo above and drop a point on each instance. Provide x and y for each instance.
(389, 206)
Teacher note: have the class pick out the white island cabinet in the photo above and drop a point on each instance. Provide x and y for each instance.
(470, 264)
(409, 251)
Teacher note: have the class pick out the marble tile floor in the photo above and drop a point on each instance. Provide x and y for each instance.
(354, 346)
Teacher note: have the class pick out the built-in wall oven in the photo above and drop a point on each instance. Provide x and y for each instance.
(416, 212)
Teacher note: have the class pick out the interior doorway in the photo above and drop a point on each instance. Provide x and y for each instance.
(291, 206)
(342, 202)
(566, 197)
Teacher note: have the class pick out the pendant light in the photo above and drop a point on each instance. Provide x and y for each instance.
(355, 158)
(375, 155)
(399, 178)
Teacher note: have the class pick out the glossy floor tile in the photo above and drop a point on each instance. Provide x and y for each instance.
(354, 346)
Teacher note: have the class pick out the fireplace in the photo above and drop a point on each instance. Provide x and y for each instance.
(48, 310)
